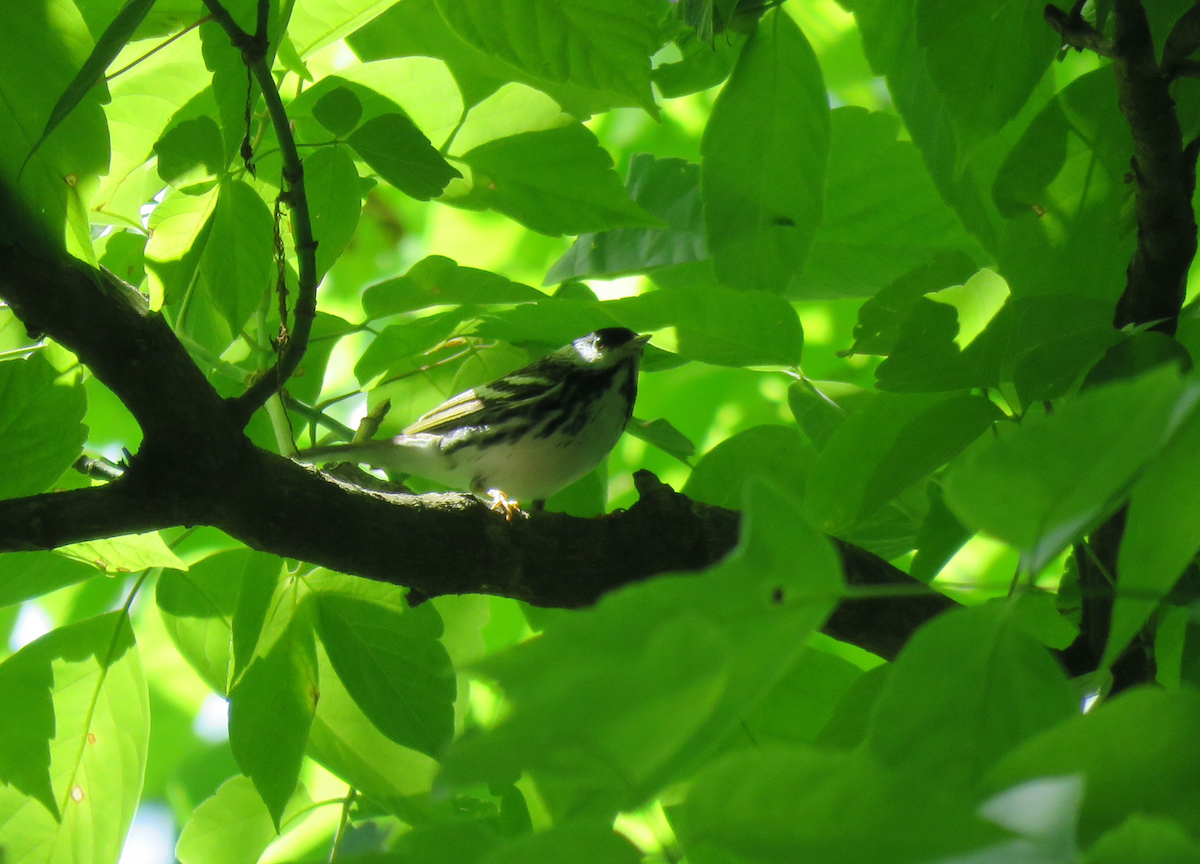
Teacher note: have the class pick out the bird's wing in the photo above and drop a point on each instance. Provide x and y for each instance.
(465, 409)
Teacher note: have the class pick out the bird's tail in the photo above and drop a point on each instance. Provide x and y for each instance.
(407, 454)
(364, 452)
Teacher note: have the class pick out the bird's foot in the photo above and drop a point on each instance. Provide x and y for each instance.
(501, 503)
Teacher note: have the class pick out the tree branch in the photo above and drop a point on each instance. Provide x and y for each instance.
(1156, 280)
(446, 543)
(1076, 32)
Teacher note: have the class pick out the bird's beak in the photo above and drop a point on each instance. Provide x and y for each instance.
(639, 342)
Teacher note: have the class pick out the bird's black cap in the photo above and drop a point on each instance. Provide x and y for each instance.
(614, 337)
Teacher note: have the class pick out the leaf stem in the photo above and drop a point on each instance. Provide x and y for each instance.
(351, 794)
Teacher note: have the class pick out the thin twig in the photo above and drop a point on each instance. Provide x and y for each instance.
(158, 48)
(1076, 32)
(351, 794)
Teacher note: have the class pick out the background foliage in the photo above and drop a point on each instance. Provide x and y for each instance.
(878, 245)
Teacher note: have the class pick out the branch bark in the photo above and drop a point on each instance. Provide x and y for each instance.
(1156, 282)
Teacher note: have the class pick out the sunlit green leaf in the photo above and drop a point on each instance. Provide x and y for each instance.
(97, 749)
(668, 189)
(394, 667)
(233, 826)
(31, 574)
(270, 712)
(45, 45)
(437, 280)
(331, 182)
(605, 46)
(40, 429)
(126, 554)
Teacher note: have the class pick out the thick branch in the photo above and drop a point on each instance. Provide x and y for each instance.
(447, 543)
(1166, 177)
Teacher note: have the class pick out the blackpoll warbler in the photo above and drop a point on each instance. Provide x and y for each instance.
(526, 435)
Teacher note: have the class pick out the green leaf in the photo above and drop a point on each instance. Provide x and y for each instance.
(718, 325)
(44, 46)
(886, 447)
(985, 58)
(348, 744)
(580, 843)
(660, 433)
(210, 611)
(338, 111)
(883, 217)
(107, 47)
(703, 64)
(417, 29)
(398, 342)
(614, 702)
(315, 25)
(1043, 483)
(1140, 753)
(777, 453)
(179, 226)
(1162, 534)
(765, 149)
(1049, 370)
(233, 826)
(941, 535)
(190, 152)
(28, 726)
(668, 189)
(438, 280)
(145, 98)
(803, 701)
(394, 667)
(98, 736)
(40, 429)
(331, 183)
(555, 181)
(984, 685)
(128, 553)
(237, 264)
(400, 154)
(24, 575)
(421, 88)
(270, 712)
(1145, 840)
(600, 46)
(779, 805)
(1070, 227)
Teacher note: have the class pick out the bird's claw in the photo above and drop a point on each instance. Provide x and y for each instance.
(501, 503)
